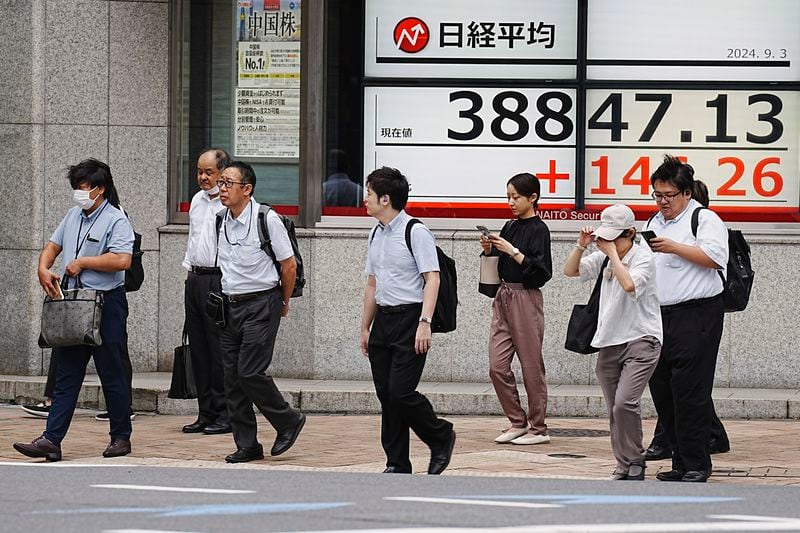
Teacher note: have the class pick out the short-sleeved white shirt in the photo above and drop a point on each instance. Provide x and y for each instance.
(245, 266)
(201, 247)
(625, 316)
(680, 280)
(398, 273)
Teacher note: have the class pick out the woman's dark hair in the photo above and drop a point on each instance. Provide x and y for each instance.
(97, 174)
(390, 181)
(527, 185)
(676, 172)
(246, 171)
(700, 192)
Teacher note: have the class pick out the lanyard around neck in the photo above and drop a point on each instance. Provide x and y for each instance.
(78, 241)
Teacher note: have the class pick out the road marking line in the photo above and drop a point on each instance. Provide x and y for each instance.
(155, 488)
(489, 503)
(66, 465)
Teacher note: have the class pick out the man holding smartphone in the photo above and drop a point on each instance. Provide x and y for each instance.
(690, 294)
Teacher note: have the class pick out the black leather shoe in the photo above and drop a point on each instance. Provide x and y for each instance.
(718, 446)
(696, 476)
(636, 472)
(396, 470)
(672, 475)
(195, 427)
(285, 440)
(440, 458)
(243, 455)
(657, 453)
(217, 429)
(40, 447)
(118, 448)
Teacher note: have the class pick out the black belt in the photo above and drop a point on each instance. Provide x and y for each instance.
(205, 271)
(236, 298)
(392, 309)
(691, 303)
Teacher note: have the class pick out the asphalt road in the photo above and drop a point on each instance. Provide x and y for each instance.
(81, 498)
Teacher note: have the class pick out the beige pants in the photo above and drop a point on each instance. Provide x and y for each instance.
(518, 327)
(623, 372)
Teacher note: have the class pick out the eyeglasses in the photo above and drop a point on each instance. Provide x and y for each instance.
(657, 196)
(228, 183)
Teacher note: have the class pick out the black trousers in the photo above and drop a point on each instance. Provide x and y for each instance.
(684, 378)
(247, 343)
(396, 371)
(718, 432)
(205, 349)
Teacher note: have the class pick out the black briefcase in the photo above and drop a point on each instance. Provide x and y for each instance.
(183, 386)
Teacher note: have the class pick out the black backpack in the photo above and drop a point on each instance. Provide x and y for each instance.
(739, 279)
(134, 276)
(266, 244)
(444, 316)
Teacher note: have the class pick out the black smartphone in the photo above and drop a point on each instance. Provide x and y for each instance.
(484, 230)
(648, 235)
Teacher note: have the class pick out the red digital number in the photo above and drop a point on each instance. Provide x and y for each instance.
(759, 175)
(602, 164)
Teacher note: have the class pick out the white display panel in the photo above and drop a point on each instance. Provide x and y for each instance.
(730, 40)
(462, 145)
(743, 144)
(471, 39)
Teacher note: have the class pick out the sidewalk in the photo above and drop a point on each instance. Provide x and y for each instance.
(763, 452)
(358, 397)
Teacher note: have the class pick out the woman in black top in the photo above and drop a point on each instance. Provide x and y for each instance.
(524, 265)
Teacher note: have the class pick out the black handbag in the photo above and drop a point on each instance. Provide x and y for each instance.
(183, 386)
(583, 321)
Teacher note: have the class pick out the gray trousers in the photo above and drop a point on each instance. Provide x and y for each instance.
(623, 372)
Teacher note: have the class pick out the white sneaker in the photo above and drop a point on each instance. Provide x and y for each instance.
(510, 434)
(532, 438)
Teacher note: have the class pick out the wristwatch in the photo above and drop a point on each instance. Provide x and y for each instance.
(515, 252)
(425, 319)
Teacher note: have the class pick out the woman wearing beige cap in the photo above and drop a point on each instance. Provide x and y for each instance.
(629, 331)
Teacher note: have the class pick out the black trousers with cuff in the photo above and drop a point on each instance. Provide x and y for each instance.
(396, 371)
(684, 378)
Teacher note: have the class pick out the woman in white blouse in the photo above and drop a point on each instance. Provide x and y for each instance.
(629, 333)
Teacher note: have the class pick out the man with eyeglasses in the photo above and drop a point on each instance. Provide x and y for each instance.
(690, 294)
(203, 277)
(256, 296)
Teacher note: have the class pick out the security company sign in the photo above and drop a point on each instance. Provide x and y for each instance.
(479, 39)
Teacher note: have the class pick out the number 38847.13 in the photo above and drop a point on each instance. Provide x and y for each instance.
(510, 122)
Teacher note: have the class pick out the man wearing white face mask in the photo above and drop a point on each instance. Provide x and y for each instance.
(204, 276)
(96, 239)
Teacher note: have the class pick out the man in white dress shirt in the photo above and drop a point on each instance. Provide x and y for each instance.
(399, 300)
(203, 277)
(690, 293)
(256, 295)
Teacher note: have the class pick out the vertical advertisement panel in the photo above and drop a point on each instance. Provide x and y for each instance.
(267, 106)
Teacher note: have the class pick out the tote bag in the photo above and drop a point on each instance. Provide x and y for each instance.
(73, 320)
(489, 280)
(583, 321)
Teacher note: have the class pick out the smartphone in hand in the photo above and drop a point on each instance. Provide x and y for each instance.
(484, 230)
(648, 235)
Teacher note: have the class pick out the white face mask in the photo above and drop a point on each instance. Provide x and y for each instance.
(83, 199)
(213, 191)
